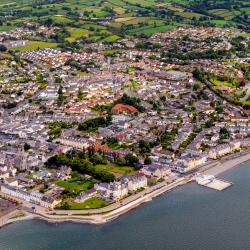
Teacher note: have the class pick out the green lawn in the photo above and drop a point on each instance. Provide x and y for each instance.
(93, 202)
(189, 15)
(222, 83)
(151, 29)
(33, 45)
(119, 10)
(80, 73)
(246, 102)
(76, 33)
(219, 22)
(112, 52)
(110, 39)
(126, 13)
(224, 13)
(93, 25)
(59, 19)
(135, 84)
(7, 28)
(75, 184)
(245, 34)
(116, 169)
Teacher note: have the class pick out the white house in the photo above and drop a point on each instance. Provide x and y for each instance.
(135, 182)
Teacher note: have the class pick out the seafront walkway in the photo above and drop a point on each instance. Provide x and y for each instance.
(111, 212)
(105, 214)
(143, 194)
(228, 162)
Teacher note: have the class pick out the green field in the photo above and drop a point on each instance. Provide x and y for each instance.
(124, 18)
(110, 39)
(224, 13)
(91, 203)
(61, 20)
(76, 185)
(7, 28)
(245, 34)
(222, 83)
(220, 22)
(94, 26)
(151, 29)
(116, 169)
(189, 15)
(34, 45)
(77, 33)
(246, 10)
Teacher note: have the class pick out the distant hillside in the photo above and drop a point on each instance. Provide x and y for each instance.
(118, 18)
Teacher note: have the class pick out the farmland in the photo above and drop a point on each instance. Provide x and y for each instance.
(7, 28)
(124, 12)
(33, 45)
(224, 13)
(76, 33)
(109, 21)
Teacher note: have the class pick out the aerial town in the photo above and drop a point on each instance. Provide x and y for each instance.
(102, 127)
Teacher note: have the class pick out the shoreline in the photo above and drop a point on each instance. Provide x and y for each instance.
(215, 168)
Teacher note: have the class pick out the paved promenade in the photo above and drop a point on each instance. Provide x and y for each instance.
(228, 162)
(111, 212)
(117, 209)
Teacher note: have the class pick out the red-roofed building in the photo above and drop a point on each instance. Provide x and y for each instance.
(120, 136)
(120, 108)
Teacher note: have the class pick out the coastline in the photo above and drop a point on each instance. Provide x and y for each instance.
(227, 163)
(215, 168)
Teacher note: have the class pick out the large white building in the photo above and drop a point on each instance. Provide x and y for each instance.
(136, 182)
(112, 191)
(75, 143)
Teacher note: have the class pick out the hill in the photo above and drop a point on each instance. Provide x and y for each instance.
(106, 21)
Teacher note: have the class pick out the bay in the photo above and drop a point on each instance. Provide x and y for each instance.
(188, 218)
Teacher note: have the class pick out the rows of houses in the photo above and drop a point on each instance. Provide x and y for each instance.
(34, 197)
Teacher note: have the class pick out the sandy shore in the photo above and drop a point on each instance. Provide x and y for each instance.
(12, 219)
(214, 168)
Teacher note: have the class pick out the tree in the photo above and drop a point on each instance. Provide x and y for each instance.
(61, 97)
(120, 161)
(2, 48)
(219, 109)
(144, 146)
(98, 159)
(131, 160)
(26, 146)
(95, 123)
(65, 206)
(224, 133)
(147, 161)
(48, 22)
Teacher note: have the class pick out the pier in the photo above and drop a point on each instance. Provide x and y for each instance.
(214, 183)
